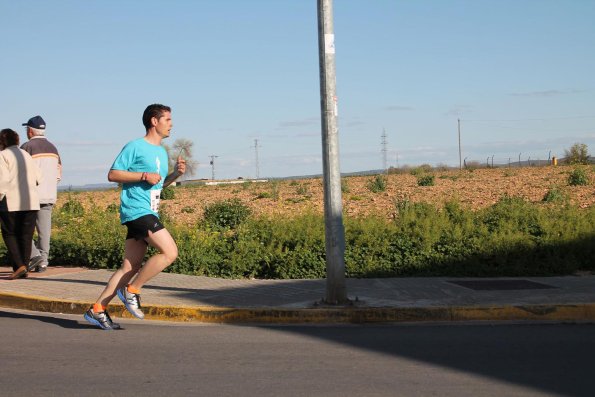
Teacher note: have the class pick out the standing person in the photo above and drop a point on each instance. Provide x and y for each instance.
(19, 202)
(47, 158)
(141, 168)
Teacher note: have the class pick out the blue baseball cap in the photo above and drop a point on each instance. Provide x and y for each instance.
(36, 122)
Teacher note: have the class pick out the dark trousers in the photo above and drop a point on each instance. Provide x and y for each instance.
(17, 232)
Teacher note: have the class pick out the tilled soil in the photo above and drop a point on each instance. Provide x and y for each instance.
(473, 189)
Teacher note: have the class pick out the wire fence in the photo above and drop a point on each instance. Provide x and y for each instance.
(492, 162)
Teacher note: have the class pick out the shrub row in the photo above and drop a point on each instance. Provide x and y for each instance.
(511, 238)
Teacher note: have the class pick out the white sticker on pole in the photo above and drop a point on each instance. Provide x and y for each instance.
(335, 107)
(329, 43)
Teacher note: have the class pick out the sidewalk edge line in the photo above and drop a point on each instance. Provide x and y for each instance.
(354, 315)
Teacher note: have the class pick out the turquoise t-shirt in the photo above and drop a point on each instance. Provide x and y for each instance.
(141, 198)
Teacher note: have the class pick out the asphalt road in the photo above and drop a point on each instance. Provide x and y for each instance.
(46, 355)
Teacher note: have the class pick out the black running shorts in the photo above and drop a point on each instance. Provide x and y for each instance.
(139, 228)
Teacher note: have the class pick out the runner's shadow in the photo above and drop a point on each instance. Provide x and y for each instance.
(61, 322)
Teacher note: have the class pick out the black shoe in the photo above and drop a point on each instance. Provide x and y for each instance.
(34, 263)
(41, 269)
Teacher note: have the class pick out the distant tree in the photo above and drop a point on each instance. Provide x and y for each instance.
(182, 147)
(577, 154)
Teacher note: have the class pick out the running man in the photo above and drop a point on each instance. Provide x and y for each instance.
(141, 168)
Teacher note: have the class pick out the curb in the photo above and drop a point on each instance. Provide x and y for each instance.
(584, 312)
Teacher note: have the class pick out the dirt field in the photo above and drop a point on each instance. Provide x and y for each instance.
(474, 189)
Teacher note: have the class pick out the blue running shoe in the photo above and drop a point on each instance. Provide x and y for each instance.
(101, 319)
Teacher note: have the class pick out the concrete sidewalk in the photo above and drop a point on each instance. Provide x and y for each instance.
(176, 297)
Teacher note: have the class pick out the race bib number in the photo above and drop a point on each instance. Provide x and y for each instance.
(155, 197)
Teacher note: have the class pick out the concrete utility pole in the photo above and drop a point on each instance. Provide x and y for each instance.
(256, 152)
(384, 151)
(336, 292)
(460, 162)
(213, 157)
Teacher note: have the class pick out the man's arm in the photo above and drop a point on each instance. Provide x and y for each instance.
(120, 176)
(171, 178)
(178, 172)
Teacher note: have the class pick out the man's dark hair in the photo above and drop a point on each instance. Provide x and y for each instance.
(8, 138)
(155, 110)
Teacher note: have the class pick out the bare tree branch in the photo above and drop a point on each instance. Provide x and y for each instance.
(182, 147)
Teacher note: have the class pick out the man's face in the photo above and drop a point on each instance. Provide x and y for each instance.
(163, 125)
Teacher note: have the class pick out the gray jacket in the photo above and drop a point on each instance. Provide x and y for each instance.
(47, 158)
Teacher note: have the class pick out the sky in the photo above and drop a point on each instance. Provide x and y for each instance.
(519, 74)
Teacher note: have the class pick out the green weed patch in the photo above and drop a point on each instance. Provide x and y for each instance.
(511, 238)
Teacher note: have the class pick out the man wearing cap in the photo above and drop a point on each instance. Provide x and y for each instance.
(47, 158)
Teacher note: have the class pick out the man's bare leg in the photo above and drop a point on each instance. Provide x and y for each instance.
(134, 253)
(168, 252)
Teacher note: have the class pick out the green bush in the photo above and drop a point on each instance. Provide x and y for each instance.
(302, 190)
(262, 248)
(168, 193)
(272, 193)
(425, 180)
(378, 184)
(95, 240)
(422, 169)
(226, 214)
(344, 186)
(511, 238)
(280, 248)
(510, 215)
(578, 177)
(275, 190)
(72, 207)
(554, 195)
(577, 154)
(201, 252)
